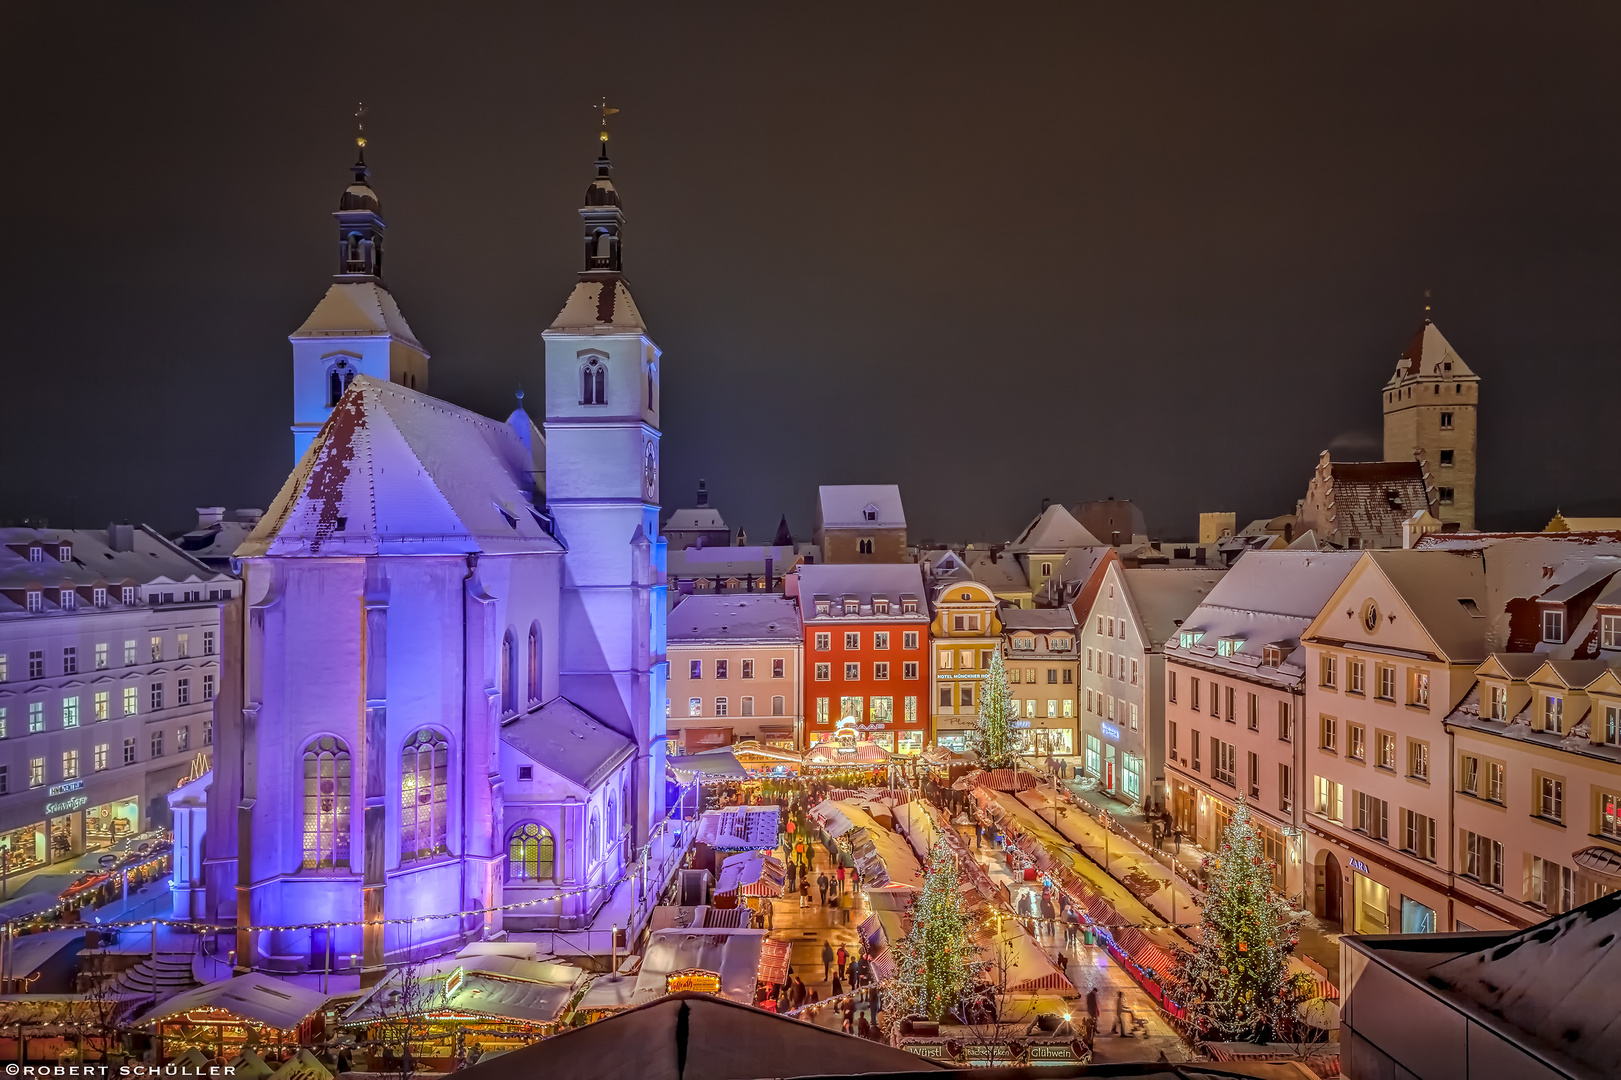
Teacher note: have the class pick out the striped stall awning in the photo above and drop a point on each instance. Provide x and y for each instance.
(1053, 980)
(870, 930)
(1143, 951)
(774, 961)
(883, 965)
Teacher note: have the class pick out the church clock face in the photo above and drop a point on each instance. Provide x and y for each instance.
(650, 474)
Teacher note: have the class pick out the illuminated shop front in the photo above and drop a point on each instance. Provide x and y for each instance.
(23, 848)
(111, 822)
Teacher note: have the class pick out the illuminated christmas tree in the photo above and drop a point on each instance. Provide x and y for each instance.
(1236, 984)
(935, 962)
(992, 736)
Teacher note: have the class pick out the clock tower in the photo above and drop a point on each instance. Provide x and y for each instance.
(602, 488)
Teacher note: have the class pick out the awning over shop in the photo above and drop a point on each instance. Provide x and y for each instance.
(833, 755)
(831, 818)
(258, 999)
(774, 956)
(750, 875)
(711, 765)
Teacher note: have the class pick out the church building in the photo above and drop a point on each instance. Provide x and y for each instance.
(450, 650)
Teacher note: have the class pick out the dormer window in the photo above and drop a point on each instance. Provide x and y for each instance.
(36, 600)
(1610, 631)
(98, 596)
(870, 513)
(1271, 655)
(64, 553)
(1553, 625)
(880, 605)
(1058, 644)
(36, 554)
(67, 599)
(1190, 638)
(823, 607)
(128, 594)
(908, 607)
(852, 607)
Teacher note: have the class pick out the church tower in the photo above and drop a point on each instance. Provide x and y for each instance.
(602, 488)
(1430, 405)
(356, 329)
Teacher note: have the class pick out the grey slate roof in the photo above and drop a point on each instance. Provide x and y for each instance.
(733, 618)
(564, 739)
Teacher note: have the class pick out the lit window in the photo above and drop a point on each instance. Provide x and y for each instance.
(424, 795)
(326, 804)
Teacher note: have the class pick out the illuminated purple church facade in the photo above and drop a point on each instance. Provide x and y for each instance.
(449, 689)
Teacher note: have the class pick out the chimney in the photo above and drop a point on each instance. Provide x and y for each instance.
(209, 515)
(1045, 502)
(121, 537)
(1198, 555)
(703, 493)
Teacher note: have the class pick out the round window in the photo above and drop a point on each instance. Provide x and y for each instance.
(1370, 616)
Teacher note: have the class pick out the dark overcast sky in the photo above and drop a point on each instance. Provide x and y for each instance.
(989, 252)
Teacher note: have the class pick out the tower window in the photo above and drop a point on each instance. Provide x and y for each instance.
(594, 382)
(1444, 495)
(864, 545)
(337, 381)
(1446, 421)
(1446, 459)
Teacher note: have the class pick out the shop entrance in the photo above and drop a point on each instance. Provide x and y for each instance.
(1108, 767)
(107, 824)
(1330, 886)
(1371, 905)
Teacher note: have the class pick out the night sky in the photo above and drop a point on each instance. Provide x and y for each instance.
(989, 252)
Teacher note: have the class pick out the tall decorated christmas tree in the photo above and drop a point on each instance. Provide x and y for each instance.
(992, 737)
(1236, 984)
(935, 962)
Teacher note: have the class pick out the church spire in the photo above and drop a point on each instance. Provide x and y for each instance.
(360, 218)
(603, 219)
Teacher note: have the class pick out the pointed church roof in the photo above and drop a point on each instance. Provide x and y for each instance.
(567, 741)
(1053, 530)
(603, 306)
(357, 309)
(1430, 354)
(393, 471)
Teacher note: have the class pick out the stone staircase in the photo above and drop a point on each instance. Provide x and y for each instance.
(158, 977)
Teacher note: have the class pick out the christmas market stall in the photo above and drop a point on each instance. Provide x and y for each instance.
(739, 828)
(759, 759)
(748, 876)
(723, 962)
(494, 994)
(248, 1011)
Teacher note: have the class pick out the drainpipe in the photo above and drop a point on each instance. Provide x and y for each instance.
(1452, 828)
(467, 580)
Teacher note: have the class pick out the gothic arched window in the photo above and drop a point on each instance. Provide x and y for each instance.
(613, 817)
(424, 795)
(338, 380)
(326, 804)
(531, 854)
(509, 674)
(534, 664)
(593, 838)
(594, 382)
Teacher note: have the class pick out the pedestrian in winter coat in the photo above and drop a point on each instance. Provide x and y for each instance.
(1048, 914)
(841, 956)
(1092, 1007)
(838, 986)
(841, 879)
(1120, 1014)
(827, 959)
(804, 893)
(822, 883)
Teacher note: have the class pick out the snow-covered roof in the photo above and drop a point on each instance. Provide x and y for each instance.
(1368, 499)
(739, 828)
(696, 519)
(731, 953)
(92, 562)
(261, 999)
(357, 309)
(564, 739)
(1558, 568)
(1432, 585)
(1037, 619)
(1428, 353)
(602, 306)
(215, 542)
(713, 620)
(1164, 596)
(997, 571)
(1267, 598)
(861, 506)
(499, 979)
(734, 561)
(1053, 531)
(1553, 982)
(394, 471)
(863, 582)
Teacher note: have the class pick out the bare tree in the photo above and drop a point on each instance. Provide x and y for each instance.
(403, 1004)
(998, 1027)
(105, 1009)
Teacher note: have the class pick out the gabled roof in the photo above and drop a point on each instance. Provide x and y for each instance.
(394, 471)
(564, 739)
(696, 519)
(599, 307)
(845, 506)
(1372, 498)
(998, 571)
(1431, 584)
(1525, 572)
(260, 999)
(1427, 354)
(357, 309)
(1039, 620)
(1164, 596)
(862, 581)
(721, 619)
(150, 559)
(1053, 531)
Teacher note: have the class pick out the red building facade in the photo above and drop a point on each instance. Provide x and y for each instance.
(866, 653)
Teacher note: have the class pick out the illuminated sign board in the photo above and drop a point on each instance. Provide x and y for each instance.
(1111, 732)
(63, 789)
(66, 806)
(1358, 864)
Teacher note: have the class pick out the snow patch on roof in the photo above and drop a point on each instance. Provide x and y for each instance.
(714, 619)
(1165, 596)
(567, 741)
(848, 506)
(600, 305)
(1054, 530)
(357, 309)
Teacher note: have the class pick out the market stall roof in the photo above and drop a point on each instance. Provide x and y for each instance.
(739, 828)
(833, 755)
(945, 755)
(302, 1066)
(510, 985)
(261, 999)
(720, 764)
(750, 875)
(753, 748)
(831, 818)
(607, 992)
(732, 954)
(691, 1036)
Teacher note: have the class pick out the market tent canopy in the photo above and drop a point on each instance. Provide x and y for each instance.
(831, 818)
(739, 828)
(709, 765)
(500, 983)
(690, 1036)
(732, 955)
(259, 999)
(750, 875)
(833, 755)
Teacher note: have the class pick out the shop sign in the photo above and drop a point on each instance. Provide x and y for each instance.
(63, 789)
(66, 806)
(1111, 732)
(1359, 865)
(954, 675)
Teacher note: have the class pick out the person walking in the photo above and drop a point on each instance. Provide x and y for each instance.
(841, 878)
(827, 956)
(1048, 914)
(1092, 1008)
(837, 987)
(804, 894)
(1024, 910)
(841, 956)
(821, 883)
(1120, 1014)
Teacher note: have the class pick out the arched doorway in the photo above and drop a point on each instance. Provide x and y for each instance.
(1330, 890)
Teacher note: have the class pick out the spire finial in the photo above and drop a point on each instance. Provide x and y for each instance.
(1426, 305)
(520, 396)
(360, 130)
(607, 111)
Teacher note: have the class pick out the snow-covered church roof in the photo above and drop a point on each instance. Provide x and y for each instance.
(602, 306)
(393, 472)
(1054, 530)
(566, 740)
(357, 309)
